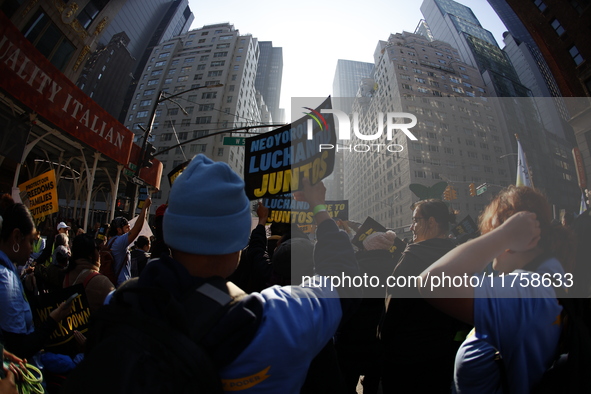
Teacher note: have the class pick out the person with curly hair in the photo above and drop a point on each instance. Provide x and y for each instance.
(518, 321)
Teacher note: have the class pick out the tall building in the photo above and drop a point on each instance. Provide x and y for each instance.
(458, 136)
(346, 81)
(107, 74)
(548, 154)
(345, 87)
(218, 66)
(269, 77)
(561, 31)
(145, 24)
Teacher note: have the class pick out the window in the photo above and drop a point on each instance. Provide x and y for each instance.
(90, 12)
(167, 80)
(197, 148)
(574, 52)
(148, 92)
(167, 46)
(201, 67)
(186, 122)
(145, 103)
(540, 4)
(218, 63)
(186, 69)
(220, 151)
(205, 107)
(203, 58)
(172, 111)
(217, 73)
(189, 60)
(210, 83)
(49, 40)
(203, 119)
(183, 136)
(169, 123)
(420, 174)
(156, 72)
(223, 38)
(557, 27)
(160, 63)
(209, 95)
(229, 99)
(152, 82)
(172, 71)
(182, 78)
(220, 54)
(166, 137)
(163, 55)
(188, 43)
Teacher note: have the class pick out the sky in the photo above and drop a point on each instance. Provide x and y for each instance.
(315, 34)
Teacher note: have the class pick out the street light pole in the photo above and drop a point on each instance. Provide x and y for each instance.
(148, 130)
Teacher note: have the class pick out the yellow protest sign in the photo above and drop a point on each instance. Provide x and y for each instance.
(42, 194)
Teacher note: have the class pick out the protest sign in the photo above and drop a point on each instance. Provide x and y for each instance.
(368, 227)
(285, 209)
(40, 194)
(466, 226)
(62, 339)
(276, 162)
(176, 171)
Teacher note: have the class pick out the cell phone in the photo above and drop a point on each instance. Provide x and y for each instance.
(72, 297)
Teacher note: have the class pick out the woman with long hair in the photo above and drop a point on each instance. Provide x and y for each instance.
(16, 319)
(514, 313)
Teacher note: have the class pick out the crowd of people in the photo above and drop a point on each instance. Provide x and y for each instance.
(277, 334)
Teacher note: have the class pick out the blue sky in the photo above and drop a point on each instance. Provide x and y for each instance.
(315, 34)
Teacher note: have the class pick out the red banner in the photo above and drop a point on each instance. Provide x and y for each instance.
(31, 78)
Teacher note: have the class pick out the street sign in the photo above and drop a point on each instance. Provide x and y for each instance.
(481, 189)
(235, 141)
(128, 172)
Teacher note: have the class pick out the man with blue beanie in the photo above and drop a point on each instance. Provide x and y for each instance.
(264, 342)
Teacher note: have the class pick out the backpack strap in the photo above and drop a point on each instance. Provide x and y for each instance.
(89, 277)
(109, 245)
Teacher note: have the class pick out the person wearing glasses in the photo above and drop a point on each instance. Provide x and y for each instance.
(417, 337)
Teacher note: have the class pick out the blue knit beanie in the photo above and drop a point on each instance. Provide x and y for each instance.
(208, 211)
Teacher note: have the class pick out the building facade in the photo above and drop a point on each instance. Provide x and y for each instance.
(145, 24)
(269, 77)
(458, 136)
(548, 154)
(216, 67)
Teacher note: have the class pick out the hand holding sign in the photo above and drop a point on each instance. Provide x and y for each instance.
(315, 196)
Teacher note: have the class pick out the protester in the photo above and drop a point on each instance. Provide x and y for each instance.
(120, 237)
(359, 351)
(140, 255)
(279, 330)
(159, 247)
(416, 336)
(16, 319)
(521, 321)
(84, 268)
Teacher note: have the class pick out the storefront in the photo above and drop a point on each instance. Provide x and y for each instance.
(46, 123)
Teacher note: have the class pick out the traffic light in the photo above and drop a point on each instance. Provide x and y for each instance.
(472, 190)
(148, 155)
(454, 194)
(447, 193)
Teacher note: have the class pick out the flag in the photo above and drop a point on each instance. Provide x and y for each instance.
(523, 176)
(583, 207)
